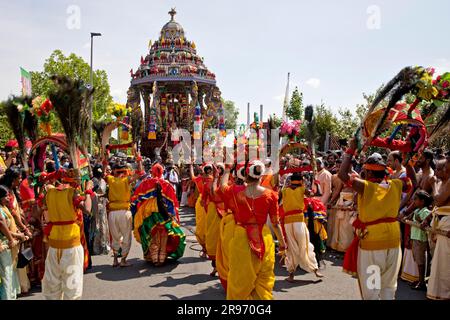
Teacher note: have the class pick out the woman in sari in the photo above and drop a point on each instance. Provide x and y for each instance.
(11, 180)
(9, 249)
(156, 221)
(252, 249)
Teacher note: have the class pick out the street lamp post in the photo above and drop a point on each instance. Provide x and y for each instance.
(93, 34)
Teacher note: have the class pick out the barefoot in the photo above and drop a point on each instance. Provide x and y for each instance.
(318, 274)
(290, 279)
(124, 264)
(115, 263)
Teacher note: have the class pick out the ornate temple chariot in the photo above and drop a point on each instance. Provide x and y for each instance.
(177, 88)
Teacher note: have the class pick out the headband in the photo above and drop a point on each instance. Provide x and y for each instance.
(251, 169)
(240, 170)
(206, 166)
(374, 167)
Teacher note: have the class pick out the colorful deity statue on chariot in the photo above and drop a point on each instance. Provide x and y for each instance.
(178, 91)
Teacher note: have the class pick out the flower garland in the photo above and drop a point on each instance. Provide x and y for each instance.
(42, 110)
(290, 129)
(118, 110)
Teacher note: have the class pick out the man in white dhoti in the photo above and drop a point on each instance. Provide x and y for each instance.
(439, 282)
(63, 277)
(299, 252)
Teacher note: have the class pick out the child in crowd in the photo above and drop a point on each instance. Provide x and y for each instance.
(419, 237)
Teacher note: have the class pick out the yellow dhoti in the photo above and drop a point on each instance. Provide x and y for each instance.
(250, 278)
(212, 230)
(200, 222)
(226, 232)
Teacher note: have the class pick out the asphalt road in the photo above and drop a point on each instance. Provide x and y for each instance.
(189, 278)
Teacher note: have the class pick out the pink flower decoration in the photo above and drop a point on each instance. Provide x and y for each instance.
(445, 84)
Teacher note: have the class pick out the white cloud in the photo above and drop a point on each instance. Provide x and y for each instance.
(313, 82)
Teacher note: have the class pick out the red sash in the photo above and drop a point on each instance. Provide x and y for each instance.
(351, 255)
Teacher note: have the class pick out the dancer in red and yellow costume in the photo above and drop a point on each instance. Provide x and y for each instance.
(65, 258)
(214, 215)
(252, 249)
(376, 247)
(203, 184)
(227, 224)
(156, 221)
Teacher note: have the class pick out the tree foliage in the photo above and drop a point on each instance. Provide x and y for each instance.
(5, 131)
(295, 109)
(231, 114)
(74, 67)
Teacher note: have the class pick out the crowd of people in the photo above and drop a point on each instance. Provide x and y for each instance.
(377, 209)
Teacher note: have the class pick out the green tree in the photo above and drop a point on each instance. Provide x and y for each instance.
(295, 109)
(75, 67)
(5, 131)
(231, 114)
(326, 121)
(347, 124)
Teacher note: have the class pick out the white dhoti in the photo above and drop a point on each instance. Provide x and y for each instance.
(184, 199)
(439, 282)
(63, 278)
(25, 285)
(343, 233)
(120, 227)
(299, 252)
(410, 270)
(331, 213)
(378, 272)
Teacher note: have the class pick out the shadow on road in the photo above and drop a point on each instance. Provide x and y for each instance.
(215, 292)
(186, 260)
(139, 268)
(283, 285)
(190, 279)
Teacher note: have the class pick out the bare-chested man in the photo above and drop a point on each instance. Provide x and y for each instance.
(439, 283)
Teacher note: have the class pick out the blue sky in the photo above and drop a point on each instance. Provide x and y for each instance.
(335, 50)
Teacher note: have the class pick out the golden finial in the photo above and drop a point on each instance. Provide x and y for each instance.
(172, 13)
